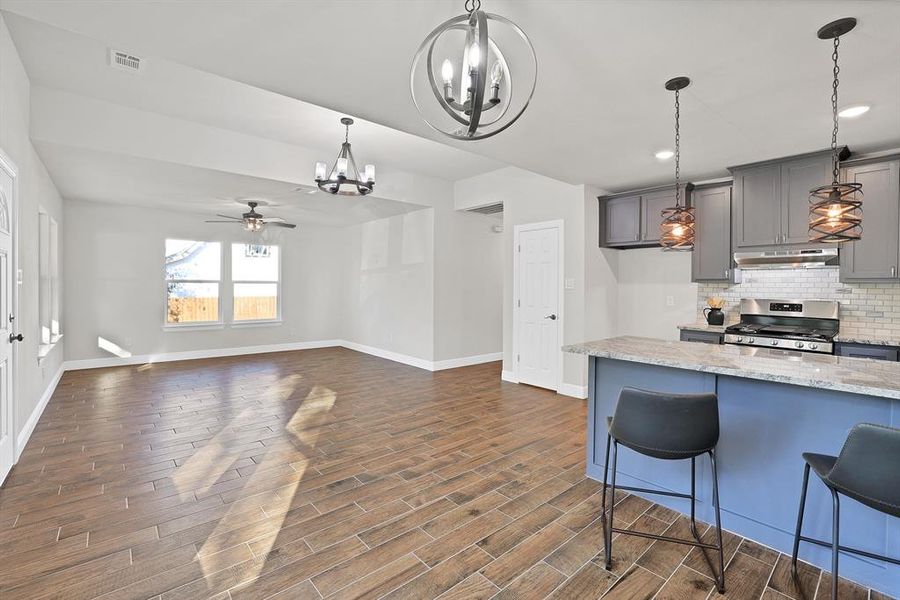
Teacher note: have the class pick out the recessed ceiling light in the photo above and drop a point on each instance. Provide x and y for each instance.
(664, 154)
(853, 111)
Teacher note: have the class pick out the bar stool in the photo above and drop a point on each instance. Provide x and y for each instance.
(865, 470)
(668, 427)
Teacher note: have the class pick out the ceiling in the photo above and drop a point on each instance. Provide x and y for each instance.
(92, 175)
(761, 78)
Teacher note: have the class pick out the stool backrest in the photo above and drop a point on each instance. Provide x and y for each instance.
(672, 425)
(869, 464)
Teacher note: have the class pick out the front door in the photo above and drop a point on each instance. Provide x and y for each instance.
(7, 281)
(538, 299)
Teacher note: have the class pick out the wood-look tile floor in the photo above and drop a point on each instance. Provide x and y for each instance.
(329, 473)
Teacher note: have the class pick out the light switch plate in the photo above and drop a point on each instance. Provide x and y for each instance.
(670, 300)
(570, 283)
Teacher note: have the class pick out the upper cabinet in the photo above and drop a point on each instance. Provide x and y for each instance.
(711, 259)
(771, 199)
(875, 256)
(633, 219)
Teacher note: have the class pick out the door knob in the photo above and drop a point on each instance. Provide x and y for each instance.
(551, 317)
(16, 338)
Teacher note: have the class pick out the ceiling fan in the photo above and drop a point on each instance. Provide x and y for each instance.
(254, 221)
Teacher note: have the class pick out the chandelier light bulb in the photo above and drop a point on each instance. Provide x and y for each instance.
(341, 167)
(447, 72)
(496, 73)
(474, 57)
(320, 171)
(370, 173)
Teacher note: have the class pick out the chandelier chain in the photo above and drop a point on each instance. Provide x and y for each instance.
(835, 171)
(677, 150)
(472, 5)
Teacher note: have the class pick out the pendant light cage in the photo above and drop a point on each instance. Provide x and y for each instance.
(835, 210)
(677, 227)
(345, 178)
(474, 75)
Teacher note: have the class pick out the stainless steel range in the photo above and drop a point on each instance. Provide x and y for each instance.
(803, 325)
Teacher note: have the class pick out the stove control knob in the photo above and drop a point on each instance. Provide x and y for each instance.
(740, 339)
(813, 346)
(799, 344)
(774, 342)
(751, 340)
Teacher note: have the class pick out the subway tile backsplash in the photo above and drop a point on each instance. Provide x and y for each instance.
(867, 309)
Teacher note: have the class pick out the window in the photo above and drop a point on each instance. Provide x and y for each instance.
(48, 283)
(255, 274)
(193, 274)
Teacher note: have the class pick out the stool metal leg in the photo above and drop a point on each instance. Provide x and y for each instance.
(694, 497)
(835, 546)
(800, 521)
(612, 505)
(606, 529)
(720, 579)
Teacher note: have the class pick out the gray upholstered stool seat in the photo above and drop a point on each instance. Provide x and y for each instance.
(668, 427)
(867, 470)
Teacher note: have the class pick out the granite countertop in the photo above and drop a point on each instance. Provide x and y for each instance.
(840, 373)
(850, 338)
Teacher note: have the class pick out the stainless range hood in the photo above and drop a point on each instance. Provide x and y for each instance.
(804, 258)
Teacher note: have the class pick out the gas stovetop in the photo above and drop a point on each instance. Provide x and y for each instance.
(804, 325)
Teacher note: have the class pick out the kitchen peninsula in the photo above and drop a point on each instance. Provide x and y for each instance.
(773, 406)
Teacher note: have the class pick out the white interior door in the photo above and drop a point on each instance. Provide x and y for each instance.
(539, 285)
(7, 281)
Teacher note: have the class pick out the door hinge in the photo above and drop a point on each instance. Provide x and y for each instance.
(519, 303)
(520, 247)
(518, 358)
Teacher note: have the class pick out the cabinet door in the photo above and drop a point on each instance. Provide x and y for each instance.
(875, 255)
(623, 221)
(711, 260)
(757, 206)
(797, 178)
(652, 206)
(868, 351)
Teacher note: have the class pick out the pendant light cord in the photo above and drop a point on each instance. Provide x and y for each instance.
(346, 133)
(835, 171)
(677, 150)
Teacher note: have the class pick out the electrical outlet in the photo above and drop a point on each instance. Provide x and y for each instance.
(670, 300)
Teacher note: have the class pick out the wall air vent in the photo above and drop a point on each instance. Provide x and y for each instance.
(490, 209)
(125, 61)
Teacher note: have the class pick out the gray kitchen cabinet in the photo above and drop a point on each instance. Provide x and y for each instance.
(652, 206)
(797, 178)
(872, 351)
(876, 255)
(757, 206)
(622, 221)
(711, 259)
(771, 199)
(704, 337)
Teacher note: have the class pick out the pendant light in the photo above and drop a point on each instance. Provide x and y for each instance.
(677, 229)
(835, 210)
(345, 179)
(487, 89)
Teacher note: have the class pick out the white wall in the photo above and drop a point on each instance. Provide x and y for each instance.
(601, 267)
(36, 190)
(114, 266)
(647, 278)
(529, 198)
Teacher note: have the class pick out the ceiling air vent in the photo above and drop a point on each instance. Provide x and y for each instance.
(490, 209)
(124, 61)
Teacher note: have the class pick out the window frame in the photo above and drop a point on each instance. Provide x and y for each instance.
(48, 284)
(255, 322)
(194, 325)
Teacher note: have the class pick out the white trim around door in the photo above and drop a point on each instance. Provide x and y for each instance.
(9, 325)
(559, 225)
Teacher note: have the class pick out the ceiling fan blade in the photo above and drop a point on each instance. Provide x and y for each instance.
(229, 217)
(219, 221)
(279, 224)
(274, 220)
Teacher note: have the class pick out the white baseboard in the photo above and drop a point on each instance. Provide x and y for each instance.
(406, 359)
(509, 376)
(141, 359)
(466, 361)
(576, 391)
(37, 412)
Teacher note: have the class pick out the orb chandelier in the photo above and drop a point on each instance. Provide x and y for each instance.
(677, 228)
(486, 79)
(835, 210)
(345, 179)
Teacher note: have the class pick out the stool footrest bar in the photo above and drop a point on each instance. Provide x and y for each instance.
(665, 538)
(872, 555)
(649, 491)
